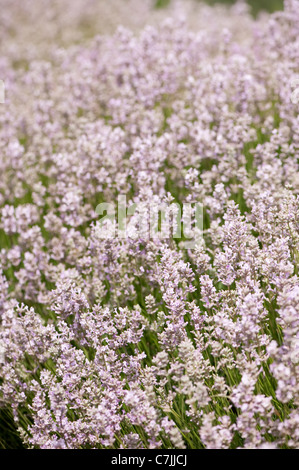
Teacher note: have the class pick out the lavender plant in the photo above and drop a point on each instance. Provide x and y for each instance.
(135, 342)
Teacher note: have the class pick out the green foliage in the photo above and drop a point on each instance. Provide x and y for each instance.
(256, 5)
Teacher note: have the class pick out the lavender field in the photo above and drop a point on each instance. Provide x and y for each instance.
(117, 333)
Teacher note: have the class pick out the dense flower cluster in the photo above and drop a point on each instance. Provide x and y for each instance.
(135, 343)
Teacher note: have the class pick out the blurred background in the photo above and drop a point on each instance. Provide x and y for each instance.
(34, 29)
(256, 5)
